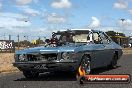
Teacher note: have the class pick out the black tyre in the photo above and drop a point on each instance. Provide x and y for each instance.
(84, 68)
(30, 74)
(81, 80)
(114, 61)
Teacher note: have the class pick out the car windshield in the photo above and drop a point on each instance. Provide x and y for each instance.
(77, 37)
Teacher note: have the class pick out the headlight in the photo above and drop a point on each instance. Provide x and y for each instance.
(22, 57)
(65, 55)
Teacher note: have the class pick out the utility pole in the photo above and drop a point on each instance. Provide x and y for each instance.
(18, 41)
(27, 37)
(4, 36)
(9, 37)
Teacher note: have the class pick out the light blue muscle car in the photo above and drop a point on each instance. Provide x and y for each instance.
(69, 50)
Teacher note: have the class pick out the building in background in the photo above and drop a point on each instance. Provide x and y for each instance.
(121, 40)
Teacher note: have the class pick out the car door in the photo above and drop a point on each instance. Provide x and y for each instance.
(107, 53)
(98, 51)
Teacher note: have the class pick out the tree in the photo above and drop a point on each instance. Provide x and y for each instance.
(111, 33)
(39, 41)
(24, 43)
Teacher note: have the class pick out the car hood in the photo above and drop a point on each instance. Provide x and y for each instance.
(43, 49)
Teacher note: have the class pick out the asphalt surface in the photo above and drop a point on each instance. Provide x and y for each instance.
(66, 80)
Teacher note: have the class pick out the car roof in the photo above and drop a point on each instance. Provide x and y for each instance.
(80, 30)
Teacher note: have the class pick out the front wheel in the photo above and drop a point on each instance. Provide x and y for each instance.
(85, 66)
(84, 69)
(30, 74)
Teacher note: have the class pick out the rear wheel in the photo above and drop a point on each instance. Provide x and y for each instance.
(114, 61)
(30, 74)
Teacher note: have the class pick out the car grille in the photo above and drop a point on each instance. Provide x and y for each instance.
(42, 57)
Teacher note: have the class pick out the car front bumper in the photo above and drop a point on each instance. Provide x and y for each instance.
(47, 66)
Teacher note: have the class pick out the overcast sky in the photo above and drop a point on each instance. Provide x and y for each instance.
(41, 17)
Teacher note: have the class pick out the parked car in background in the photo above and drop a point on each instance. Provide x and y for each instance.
(130, 45)
(73, 50)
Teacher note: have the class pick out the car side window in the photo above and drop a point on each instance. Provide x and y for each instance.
(104, 38)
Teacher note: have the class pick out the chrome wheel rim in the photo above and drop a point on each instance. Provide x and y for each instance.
(86, 65)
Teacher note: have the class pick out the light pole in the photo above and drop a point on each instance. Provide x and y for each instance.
(122, 20)
(121, 41)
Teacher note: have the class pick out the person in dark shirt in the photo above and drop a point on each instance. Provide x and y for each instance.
(54, 40)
